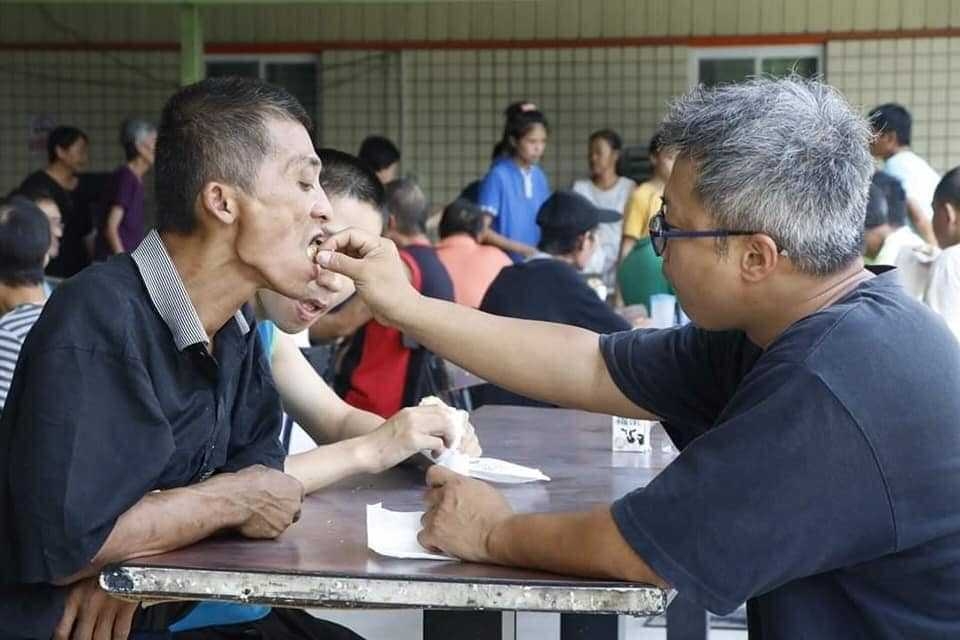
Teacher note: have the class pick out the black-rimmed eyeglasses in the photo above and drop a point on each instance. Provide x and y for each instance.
(661, 231)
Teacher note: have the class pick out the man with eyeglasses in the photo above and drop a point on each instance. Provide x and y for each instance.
(823, 497)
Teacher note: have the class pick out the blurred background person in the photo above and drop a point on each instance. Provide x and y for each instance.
(640, 272)
(67, 155)
(24, 250)
(382, 157)
(122, 226)
(607, 190)
(943, 290)
(893, 125)
(515, 186)
(471, 265)
(886, 232)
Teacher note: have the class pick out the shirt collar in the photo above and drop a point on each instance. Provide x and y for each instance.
(169, 295)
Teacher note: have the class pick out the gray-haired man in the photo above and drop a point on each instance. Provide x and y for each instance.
(825, 498)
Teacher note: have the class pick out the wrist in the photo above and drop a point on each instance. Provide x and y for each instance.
(228, 499)
(365, 453)
(495, 543)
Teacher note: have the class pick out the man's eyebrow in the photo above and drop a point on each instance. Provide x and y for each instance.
(313, 161)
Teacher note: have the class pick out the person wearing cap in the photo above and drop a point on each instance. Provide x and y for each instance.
(824, 498)
(549, 286)
(472, 266)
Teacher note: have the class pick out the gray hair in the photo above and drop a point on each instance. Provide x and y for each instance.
(788, 158)
(132, 133)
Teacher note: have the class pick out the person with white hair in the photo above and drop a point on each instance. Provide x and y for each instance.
(822, 495)
(122, 225)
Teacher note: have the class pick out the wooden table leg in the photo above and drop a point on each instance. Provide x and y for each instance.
(686, 620)
(587, 626)
(462, 625)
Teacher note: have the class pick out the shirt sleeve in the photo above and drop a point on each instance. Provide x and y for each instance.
(683, 375)
(491, 193)
(785, 489)
(90, 440)
(943, 291)
(9, 352)
(640, 208)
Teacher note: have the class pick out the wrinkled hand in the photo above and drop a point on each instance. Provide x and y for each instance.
(461, 514)
(409, 431)
(373, 263)
(91, 613)
(272, 499)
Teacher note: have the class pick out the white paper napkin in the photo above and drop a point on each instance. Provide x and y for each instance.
(488, 469)
(394, 534)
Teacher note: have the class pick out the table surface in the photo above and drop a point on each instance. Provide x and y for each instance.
(323, 560)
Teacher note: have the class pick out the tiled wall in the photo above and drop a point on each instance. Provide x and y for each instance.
(444, 106)
(923, 74)
(449, 113)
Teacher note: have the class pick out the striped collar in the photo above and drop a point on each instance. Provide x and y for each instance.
(169, 296)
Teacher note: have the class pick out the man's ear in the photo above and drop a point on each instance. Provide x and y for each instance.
(760, 257)
(953, 215)
(219, 200)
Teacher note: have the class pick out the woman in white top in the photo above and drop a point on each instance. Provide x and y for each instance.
(607, 190)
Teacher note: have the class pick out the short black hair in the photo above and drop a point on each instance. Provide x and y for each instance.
(895, 196)
(557, 242)
(461, 216)
(215, 130)
(612, 137)
(344, 175)
(63, 138)
(408, 206)
(24, 242)
(948, 190)
(378, 152)
(892, 117)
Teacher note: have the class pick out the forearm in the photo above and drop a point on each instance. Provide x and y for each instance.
(162, 521)
(921, 223)
(112, 237)
(357, 422)
(506, 244)
(520, 355)
(587, 544)
(330, 463)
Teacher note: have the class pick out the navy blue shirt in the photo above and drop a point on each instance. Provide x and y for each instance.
(116, 395)
(548, 290)
(819, 479)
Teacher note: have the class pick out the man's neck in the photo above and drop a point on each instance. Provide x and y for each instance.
(62, 174)
(217, 284)
(13, 297)
(407, 240)
(139, 166)
(799, 297)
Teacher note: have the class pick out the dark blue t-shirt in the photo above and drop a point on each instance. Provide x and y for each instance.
(818, 479)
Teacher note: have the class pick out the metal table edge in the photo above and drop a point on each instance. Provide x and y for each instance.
(311, 590)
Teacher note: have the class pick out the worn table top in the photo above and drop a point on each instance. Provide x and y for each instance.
(323, 560)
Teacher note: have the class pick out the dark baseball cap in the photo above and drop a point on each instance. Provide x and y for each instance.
(571, 212)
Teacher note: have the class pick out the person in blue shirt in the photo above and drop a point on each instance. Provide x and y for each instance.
(515, 186)
(814, 402)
